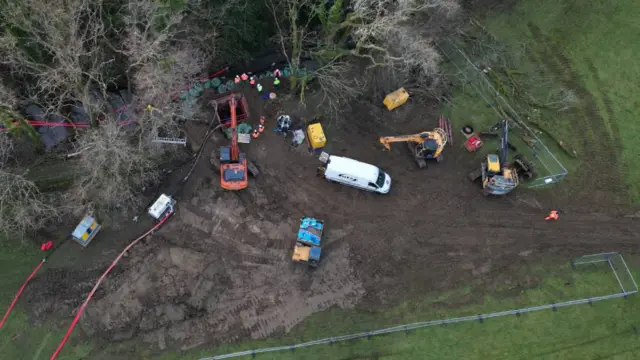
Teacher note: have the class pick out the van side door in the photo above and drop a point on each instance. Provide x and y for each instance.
(373, 186)
(352, 181)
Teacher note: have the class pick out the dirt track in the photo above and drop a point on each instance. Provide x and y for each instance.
(221, 270)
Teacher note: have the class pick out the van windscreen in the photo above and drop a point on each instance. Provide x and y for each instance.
(380, 180)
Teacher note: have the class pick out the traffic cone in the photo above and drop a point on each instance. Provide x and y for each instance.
(262, 120)
(244, 77)
(255, 134)
(260, 128)
(252, 81)
(236, 79)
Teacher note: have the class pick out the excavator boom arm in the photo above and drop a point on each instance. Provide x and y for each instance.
(504, 143)
(387, 140)
(235, 151)
(233, 173)
(437, 134)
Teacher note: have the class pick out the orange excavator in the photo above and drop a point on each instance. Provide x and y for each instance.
(233, 163)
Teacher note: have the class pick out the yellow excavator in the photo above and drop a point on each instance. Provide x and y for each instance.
(500, 177)
(424, 146)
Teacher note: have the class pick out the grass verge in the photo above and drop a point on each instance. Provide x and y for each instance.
(607, 329)
(568, 68)
(19, 338)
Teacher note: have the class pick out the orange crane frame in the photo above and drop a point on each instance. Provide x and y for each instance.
(233, 163)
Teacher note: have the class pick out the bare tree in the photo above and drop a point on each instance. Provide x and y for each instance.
(8, 102)
(156, 79)
(389, 35)
(207, 25)
(298, 40)
(160, 58)
(57, 44)
(8, 97)
(399, 35)
(117, 162)
(292, 34)
(22, 208)
(65, 49)
(114, 168)
(339, 83)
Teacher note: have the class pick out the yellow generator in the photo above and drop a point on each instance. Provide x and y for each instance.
(315, 134)
(86, 231)
(396, 98)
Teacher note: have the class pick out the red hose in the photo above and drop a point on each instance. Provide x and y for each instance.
(15, 299)
(95, 287)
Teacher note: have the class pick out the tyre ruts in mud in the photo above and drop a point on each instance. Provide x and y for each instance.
(602, 145)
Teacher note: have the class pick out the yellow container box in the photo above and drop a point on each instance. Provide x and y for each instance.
(315, 134)
(301, 253)
(396, 98)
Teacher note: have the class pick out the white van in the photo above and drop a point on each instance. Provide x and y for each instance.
(354, 173)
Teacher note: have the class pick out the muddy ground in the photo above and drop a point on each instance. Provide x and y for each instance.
(221, 270)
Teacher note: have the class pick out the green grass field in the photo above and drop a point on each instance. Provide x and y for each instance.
(603, 330)
(570, 67)
(20, 339)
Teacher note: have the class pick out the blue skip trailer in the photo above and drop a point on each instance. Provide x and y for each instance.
(307, 248)
(86, 231)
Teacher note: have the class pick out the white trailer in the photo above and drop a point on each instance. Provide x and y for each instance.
(164, 206)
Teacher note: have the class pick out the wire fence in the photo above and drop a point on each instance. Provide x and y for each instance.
(623, 275)
(618, 267)
(475, 75)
